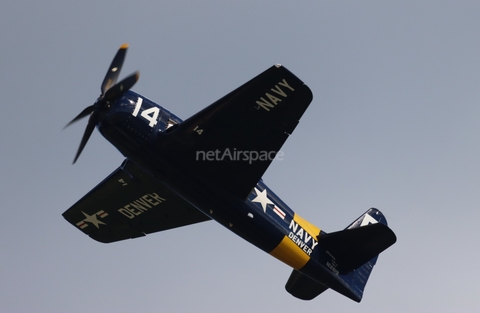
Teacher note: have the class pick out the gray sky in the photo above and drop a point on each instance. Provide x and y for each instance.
(394, 124)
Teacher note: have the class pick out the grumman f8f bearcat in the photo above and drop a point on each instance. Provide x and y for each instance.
(210, 166)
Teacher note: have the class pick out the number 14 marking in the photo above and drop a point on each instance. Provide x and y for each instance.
(150, 114)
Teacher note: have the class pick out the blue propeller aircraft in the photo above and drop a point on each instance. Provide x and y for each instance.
(210, 166)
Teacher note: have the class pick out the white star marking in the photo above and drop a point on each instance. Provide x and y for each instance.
(262, 199)
(93, 219)
(367, 220)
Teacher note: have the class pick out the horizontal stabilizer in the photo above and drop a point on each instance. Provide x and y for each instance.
(303, 287)
(353, 247)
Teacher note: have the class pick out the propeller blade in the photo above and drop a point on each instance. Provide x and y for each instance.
(86, 112)
(122, 87)
(114, 69)
(111, 91)
(92, 122)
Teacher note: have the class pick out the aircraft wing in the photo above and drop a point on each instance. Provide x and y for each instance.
(232, 142)
(128, 204)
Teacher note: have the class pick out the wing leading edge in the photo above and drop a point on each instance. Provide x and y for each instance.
(130, 203)
(232, 142)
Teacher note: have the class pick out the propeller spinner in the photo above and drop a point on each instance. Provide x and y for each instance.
(111, 91)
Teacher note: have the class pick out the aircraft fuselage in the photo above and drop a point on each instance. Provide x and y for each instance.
(135, 125)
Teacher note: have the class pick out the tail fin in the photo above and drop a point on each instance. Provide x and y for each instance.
(356, 249)
(357, 244)
(349, 256)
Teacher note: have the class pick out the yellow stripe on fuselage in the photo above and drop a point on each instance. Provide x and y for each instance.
(295, 248)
